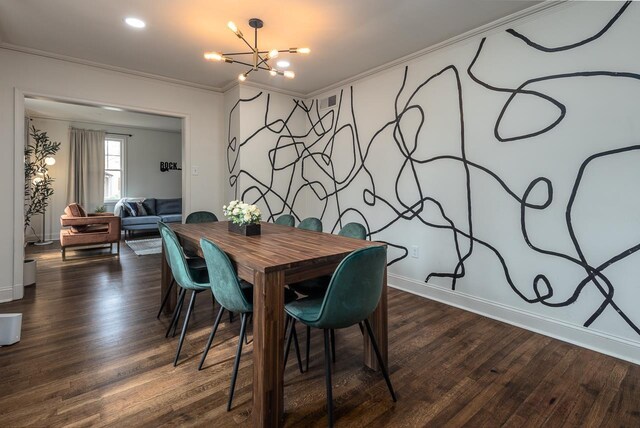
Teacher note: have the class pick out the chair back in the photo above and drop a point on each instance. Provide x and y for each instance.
(354, 290)
(311, 223)
(286, 220)
(201, 217)
(176, 259)
(223, 279)
(353, 230)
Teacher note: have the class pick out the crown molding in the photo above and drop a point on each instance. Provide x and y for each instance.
(74, 60)
(265, 87)
(517, 16)
(99, 123)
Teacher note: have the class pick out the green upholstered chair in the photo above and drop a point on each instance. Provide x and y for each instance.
(311, 223)
(352, 296)
(201, 217)
(317, 287)
(184, 277)
(286, 220)
(234, 295)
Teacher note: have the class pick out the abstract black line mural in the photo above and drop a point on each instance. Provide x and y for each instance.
(415, 171)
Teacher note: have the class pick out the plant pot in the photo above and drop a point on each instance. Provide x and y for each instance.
(246, 229)
(29, 272)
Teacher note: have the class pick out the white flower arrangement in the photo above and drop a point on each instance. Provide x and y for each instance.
(241, 214)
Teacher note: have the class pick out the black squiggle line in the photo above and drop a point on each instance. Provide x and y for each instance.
(573, 45)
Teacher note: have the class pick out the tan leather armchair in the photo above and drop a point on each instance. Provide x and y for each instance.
(82, 229)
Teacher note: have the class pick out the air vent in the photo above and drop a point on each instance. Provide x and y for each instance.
(328, 102)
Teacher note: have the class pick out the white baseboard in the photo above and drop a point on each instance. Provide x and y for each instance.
(6, 294)
(577, 335)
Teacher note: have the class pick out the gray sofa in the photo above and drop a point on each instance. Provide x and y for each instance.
(165, 210)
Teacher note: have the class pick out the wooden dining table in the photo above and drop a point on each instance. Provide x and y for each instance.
(279, 255)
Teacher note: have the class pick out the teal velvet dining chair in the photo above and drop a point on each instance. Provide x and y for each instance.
(286, 220)
(201, 217)
(317, 287)
(233, 294)
(185, 277)
(352, 296)
(311, 223)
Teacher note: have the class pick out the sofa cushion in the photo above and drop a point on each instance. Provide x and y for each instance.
(148, 219)
(168, 206)
(75, 210)
(141, 209)
(171, 218)
(150, 206)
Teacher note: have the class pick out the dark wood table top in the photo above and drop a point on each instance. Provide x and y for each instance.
(276, 248)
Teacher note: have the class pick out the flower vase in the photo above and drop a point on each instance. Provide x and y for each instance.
(245, 229)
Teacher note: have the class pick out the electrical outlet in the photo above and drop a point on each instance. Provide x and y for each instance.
(415, 251)
(195, 170)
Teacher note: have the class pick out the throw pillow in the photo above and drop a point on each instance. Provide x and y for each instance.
(131, 208)
(141, 209)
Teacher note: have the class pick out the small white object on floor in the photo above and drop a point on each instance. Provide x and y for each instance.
(10, 326)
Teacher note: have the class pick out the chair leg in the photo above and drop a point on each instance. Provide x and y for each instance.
(296, 346)
(166, 297)
(179, 309)
(333, 345)
(176, 312)
(211, 336)
(308, 347)
(243, 329)
(184, 327)
(361, 328)
(230, 316)
(64, 254)
(288, 325)
(382, 367)
(327, 369)
(118, 248)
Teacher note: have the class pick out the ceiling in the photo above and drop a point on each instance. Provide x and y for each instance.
(100, 115)
(346, 37)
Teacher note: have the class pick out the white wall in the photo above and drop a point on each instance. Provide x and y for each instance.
(23, 73)
(417, 157)
(145, 149)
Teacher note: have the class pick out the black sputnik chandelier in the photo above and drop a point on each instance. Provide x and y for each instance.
(260, 58)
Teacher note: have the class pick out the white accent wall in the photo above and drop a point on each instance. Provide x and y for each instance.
(22, 74)
(502, 170)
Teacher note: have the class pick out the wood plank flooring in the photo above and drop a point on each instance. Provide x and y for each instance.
(93, 354)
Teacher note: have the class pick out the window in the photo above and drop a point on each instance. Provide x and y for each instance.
(113, 168)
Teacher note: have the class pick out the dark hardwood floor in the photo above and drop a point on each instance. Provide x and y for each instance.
(93, 354)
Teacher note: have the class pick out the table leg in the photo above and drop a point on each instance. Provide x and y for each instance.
(378, 320)
(165, 279)
(268, 349)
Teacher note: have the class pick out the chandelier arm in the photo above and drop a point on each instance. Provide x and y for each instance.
(247, 43)
(237, 53)
(243, 63)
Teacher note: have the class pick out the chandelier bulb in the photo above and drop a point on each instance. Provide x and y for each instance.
(273, 72)
(213, 56)
(242, 77)
(304, 50)
(273, 53)
(289, 74)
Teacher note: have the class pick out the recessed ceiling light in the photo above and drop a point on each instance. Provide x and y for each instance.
(135, 22)
(112, 108)
(283, 64)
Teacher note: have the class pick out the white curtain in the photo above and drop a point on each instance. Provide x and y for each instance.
(86, 168)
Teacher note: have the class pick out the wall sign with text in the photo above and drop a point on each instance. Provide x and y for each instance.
(169, 166)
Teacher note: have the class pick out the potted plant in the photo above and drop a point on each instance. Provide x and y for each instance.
(243, 218)
(38, 186)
